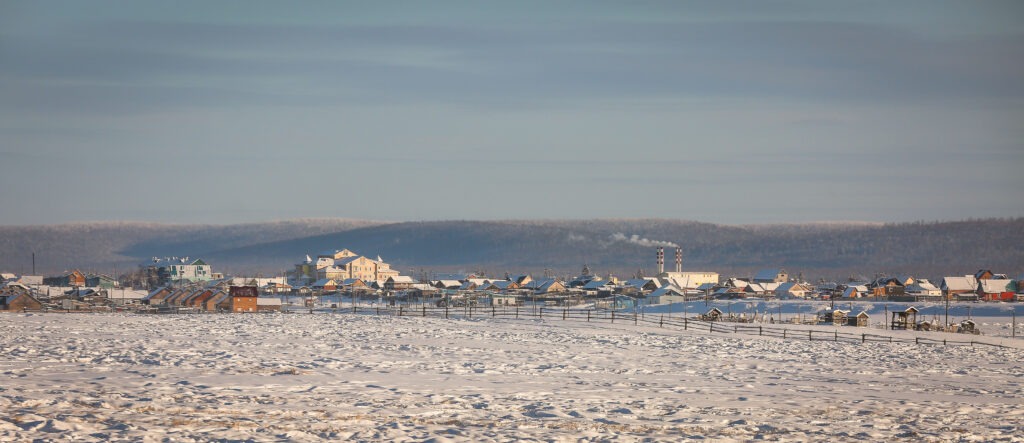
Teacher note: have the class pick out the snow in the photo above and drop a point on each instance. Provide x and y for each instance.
(308, 377)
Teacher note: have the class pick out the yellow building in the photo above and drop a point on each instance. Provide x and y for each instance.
(344, 264)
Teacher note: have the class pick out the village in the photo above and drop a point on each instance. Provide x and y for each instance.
(343, 279)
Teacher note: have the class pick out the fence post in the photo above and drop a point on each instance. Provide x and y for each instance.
(399, 310)
(564, 313)
(470, 315)
(492, 310)
(917, 340)
(613, 316)
(378, 310)
(734, 328)
(424, 310)
(837, 335)
(540, 313)
(661, 321)
(446, 311)
(863, 338)
(517, 312)
(783, 334)
(760, 330)
(686, 324)
(588, 316)
(634, 319)
(943, 342)
(810, 335)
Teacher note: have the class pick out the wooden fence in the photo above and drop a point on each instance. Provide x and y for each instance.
(677, 323)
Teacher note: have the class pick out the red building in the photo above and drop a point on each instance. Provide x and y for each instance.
(243, 298)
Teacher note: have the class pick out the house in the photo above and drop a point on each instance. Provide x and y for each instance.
(219, 301)
(958, 287)
(771, 275)
(548, 286)
(755, 289)
(72, 279)
(983, 274)
(856, 291)
(503, 285)
(399, 283)
(243, 298)
(19, 301)
(181, 270)
(923, 289)
(644, 284)
(792, 290)
(101, 281)
(447, 284)
(595, 285)
(156, 296)
(199, 300)
(887, 287)
(667, 294)
(996, 290)
(522, 280)
(325, 284)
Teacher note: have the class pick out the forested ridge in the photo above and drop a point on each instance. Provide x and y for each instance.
(827, 250)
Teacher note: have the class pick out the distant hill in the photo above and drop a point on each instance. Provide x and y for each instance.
(830, 250)
(102, 247)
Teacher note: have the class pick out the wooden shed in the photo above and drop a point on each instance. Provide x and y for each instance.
(859, 320)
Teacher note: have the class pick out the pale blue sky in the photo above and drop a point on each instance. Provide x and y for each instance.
(729, 112)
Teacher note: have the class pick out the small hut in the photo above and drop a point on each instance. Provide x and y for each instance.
(714, 314)
(905, 319)
(969, 327)
(860, 320)
(839, 317)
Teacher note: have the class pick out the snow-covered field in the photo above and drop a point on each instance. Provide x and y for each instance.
(302, 377)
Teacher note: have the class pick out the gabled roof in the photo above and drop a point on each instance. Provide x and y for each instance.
(965, 283)
(548, 285)
(641, 282)
(991, 286)
(596, 284)
(667, 290)
(401, 279)
(502, 284)
(790, 286)
(324, 282)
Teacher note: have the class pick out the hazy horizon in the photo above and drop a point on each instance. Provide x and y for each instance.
(721, 112)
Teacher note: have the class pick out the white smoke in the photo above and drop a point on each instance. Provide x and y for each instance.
(637, 240)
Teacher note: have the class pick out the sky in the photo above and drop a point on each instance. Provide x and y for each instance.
(729, 112)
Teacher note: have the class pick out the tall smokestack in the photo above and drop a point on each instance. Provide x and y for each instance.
(661, 259)
(679, 259)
